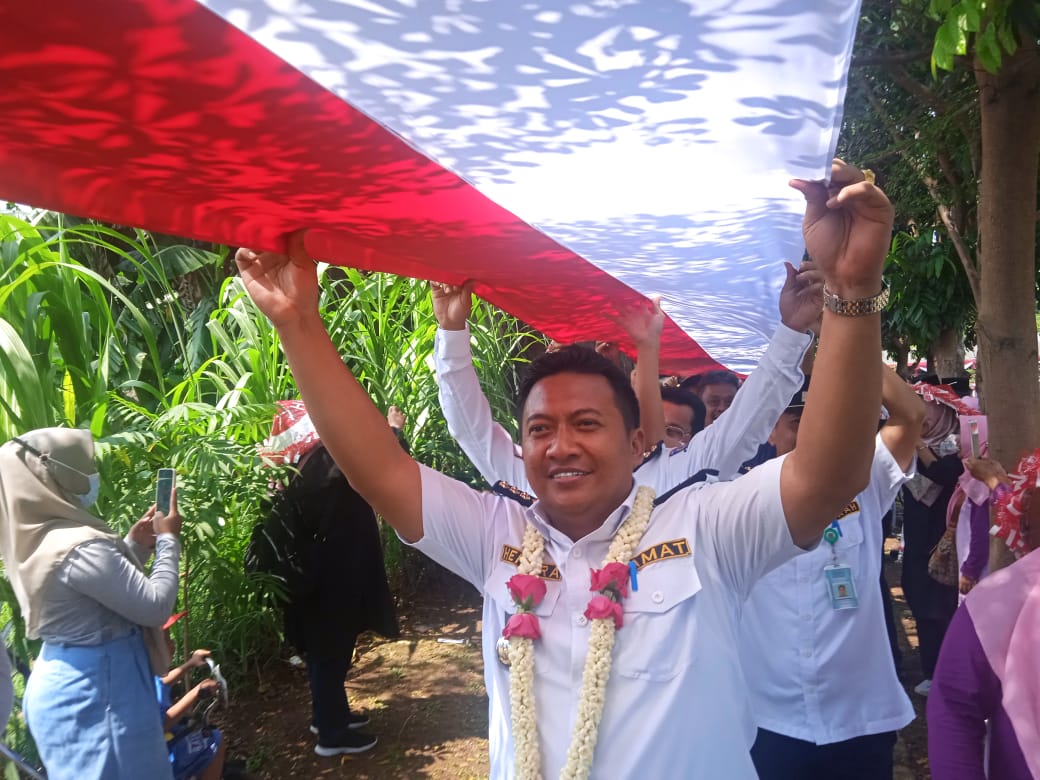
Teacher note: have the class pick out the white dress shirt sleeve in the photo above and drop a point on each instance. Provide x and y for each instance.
(736, 435)
(486, 443)
(744, 528)
(457, 525)
(886, 478)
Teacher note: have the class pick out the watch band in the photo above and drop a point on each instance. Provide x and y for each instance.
(858, 307)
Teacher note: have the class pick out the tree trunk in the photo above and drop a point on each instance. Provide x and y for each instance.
(1010, 119)
(947, 355)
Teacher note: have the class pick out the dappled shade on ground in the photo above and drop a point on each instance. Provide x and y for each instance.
(425, 695)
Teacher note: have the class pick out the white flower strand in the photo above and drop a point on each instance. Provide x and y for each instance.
(601, 644)
(527, 757)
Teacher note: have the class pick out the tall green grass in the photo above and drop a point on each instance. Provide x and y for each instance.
(148, 343)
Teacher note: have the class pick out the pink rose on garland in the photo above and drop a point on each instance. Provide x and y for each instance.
(602, 607)
(524, 625)
(527, 591)
(612, 577)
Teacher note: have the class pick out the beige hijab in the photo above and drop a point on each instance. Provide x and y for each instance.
(41, 520)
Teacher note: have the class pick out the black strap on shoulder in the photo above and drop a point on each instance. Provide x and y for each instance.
(503, 488)
(649, 455)
(700, 476)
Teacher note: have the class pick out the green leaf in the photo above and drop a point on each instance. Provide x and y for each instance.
(180, 259)
(987, 49)
(972, 15)
(1006, 36)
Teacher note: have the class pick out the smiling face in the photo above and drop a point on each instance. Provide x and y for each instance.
(678, 424)
(578, 452)
(717, 399)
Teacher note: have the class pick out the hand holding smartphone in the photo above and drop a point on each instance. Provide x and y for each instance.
(164, 490)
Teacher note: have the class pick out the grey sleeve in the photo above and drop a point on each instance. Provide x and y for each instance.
(142, 553)
(98, 570)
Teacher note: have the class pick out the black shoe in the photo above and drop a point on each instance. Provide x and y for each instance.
(354, 721)
(350, 742)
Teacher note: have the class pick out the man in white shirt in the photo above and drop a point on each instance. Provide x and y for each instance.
(669, 688)
(721, 447)
(813, 639)
(718, 390)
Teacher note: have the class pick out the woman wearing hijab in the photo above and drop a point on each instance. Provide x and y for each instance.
(90, 700)
(925, 498)
(987, 670)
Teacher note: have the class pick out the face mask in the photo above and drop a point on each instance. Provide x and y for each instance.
(88, 499)
(85, 500)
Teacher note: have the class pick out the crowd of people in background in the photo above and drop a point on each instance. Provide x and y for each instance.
(740, 613)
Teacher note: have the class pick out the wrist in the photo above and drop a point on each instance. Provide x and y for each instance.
(303, 325)
(866, 287)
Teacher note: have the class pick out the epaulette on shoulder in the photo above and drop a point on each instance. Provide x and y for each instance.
(503, 488)
(650, 455)
(700, 476)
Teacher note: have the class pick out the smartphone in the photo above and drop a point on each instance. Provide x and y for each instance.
(164, 489)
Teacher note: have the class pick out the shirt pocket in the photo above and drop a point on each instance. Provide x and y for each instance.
(851, 533)
(496, 589)
(657, 641)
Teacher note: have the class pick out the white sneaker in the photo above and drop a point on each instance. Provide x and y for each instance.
(923, 687)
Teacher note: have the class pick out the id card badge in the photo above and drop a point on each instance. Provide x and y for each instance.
(840, 586)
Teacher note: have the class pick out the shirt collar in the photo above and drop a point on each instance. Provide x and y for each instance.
(607, 530)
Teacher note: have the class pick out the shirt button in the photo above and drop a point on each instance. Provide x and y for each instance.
(575, 553)
(657, 597)
(806, 653)
(581, 620)
(803, 579)
(806, 616)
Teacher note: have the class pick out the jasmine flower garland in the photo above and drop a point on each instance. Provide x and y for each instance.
(604, 610)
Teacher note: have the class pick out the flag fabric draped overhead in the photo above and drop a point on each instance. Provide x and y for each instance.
(563, 155)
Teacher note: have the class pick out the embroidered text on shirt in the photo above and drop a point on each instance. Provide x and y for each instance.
(503, 488)
(677, 548)
(511, 555)
(853, 507)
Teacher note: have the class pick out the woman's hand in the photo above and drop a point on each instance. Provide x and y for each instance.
(142, 533)
(965, 585)
(988, 471)
(169, 523)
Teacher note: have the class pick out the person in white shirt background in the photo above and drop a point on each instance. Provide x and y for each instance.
(722, 447)
(813, 641)
(676, 705)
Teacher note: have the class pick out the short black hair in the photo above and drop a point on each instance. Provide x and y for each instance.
(580, 360)
(718, 377)
(680, 397)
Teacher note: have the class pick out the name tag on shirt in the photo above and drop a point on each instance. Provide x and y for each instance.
(840, 586)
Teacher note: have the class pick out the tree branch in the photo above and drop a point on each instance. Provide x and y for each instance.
(949, 222)
(891, 58)
(934, 101)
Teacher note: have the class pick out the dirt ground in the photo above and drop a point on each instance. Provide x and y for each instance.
(425, 695)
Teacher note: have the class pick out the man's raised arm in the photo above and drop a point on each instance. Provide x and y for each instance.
(848, 228)
(487, 444)
(351, 427)
(905, 417)
(736, 435)
(643, 321)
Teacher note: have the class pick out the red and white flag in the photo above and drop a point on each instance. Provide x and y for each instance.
(563, 155)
